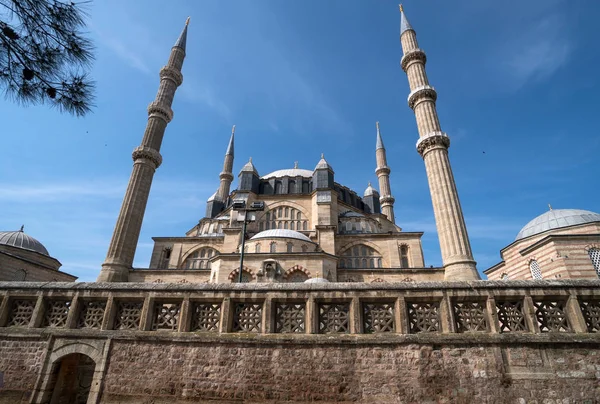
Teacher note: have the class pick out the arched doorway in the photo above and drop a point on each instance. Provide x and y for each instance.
(72, 377)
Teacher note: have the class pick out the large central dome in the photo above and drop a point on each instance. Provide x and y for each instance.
(556, 219)
(290, 172)
(281, 233)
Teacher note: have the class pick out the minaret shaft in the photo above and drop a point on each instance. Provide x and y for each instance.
(433, 146)
(147, 159)
(383, 176)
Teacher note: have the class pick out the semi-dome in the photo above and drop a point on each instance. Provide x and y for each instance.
(556, 219)
(21, 240)
(290, 172)
(281, 233)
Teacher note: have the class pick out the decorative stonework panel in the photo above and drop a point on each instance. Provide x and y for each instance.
(21, 311)
(378, 317)
(166, 316)
(56, 313)
(551, 316)
(206, 317)
(591, 314)
(510, 316)
(470, 316)
(334, 318)
(92, 314)
(247, 317)
(128, 315)
(423, 317)
(290, 317)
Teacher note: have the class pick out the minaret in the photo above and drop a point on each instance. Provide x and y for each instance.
(433, 147)
(226, 175)
(383, 175)
(146, 159)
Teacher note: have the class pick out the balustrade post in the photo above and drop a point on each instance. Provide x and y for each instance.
(185, 317)
(530, 318)
(267, 316)
(4, 310)
(355, 316)
(575, 316)
(226, 316)
(73, 312)
(311, 315)
(146, 316)
(110, 311)
(401, 315)
(447, 315)
(492, 314)
(38, 313)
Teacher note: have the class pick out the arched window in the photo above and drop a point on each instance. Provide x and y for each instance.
(273, 247)
(299, 216)
(361, 256)
(342, 263)
(261, 226)
(278, 187)
(304, 248)
(257, 248)
(246, 277)
(504, 276)
(595, 257)
(296, 277)
(199, 259)
(291, 225)
(290, 247)
(404, 256)
(534, 267)
(287, 212)
(305, 225)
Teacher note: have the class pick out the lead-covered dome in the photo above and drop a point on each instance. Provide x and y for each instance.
(290, 172)
(281, 233)
(556, 219)
(21, 240)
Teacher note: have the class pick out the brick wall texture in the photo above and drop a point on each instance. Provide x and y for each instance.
(179, 372)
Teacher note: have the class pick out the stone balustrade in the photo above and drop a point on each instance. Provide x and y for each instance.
(413, 311)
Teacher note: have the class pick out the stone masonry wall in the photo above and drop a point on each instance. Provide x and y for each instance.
(20, 362)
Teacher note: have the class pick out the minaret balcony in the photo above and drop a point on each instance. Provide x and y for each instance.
(432, 140)
(156, 109)
(414, 55)
(421, 93)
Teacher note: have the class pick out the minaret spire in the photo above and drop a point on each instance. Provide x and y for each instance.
(433, 147)
(146, 159)
(226, 175)
(383, 175)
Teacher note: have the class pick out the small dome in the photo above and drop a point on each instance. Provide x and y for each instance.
(370, 191)
(351, 213)
(556, 219)
(21, 240)
(316, 280)
(290, 172)
(323, 164)
(280, 233)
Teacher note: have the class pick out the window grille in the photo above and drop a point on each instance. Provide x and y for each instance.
(91, 314)
(591, 314)
(247, 317)
(21, 312)
(378, 317)
(56, 313)
(423, 317)
(290, 318)
(334, 318)
(510, 316)
(470, 316)
(206, 317)
(595, 257)
(534, 267)
(551, 316)
(166, 316)
(128, 315)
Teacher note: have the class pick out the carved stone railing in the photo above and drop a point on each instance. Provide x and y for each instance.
(508, 308)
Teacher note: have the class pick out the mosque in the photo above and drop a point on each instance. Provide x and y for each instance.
(310, 228)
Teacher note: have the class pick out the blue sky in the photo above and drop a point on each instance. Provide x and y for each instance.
(517, 80)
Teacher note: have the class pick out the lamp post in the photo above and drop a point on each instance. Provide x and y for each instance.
(240, 206)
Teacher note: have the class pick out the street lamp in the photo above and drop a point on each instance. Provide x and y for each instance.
(240, 206)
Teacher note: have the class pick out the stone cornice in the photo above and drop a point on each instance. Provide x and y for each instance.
(432, 140)
(147, 153)
(387, 200)
(421, 93)
(156, 109)
(413, 56)
(224, 175)
(172, 74)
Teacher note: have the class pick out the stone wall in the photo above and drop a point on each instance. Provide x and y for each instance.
(383, 343)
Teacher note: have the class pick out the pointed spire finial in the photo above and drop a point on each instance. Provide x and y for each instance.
(322, 155)
(181, 41)
(550, 206)
(250, 161)
(187, 20)
(295, 164)
(22, 228)
(369, 183)
(404, 24)
(379, 144)
(230, 146)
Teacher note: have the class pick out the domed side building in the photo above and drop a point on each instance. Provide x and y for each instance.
(558, 244)
(312, 227)
(23, 258)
